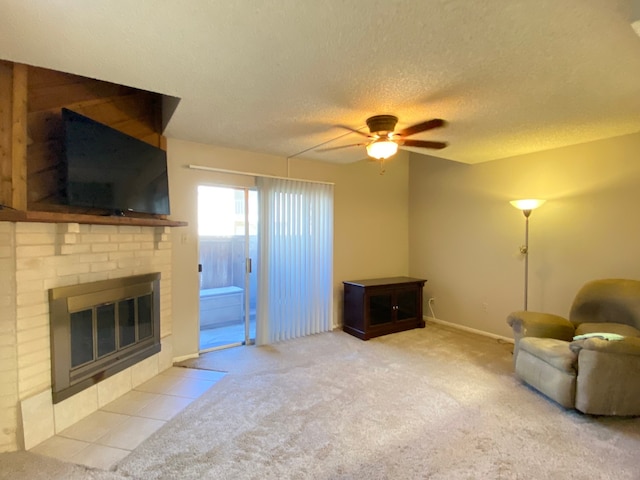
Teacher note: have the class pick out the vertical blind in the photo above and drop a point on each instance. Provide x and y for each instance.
(295, 259)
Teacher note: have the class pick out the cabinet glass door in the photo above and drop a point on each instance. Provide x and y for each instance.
(407, 305)
(380, 309)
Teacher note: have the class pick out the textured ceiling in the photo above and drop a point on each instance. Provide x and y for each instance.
(510, 77)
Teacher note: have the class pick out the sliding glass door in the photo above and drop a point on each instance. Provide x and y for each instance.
(227, 232)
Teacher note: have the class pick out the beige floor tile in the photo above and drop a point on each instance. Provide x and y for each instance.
(60, 447)
(130, 434)
(99, 456)
(191, 387)
(165, 407)
(160, 384)
(90, 428)
(131, 402)
(209, 375)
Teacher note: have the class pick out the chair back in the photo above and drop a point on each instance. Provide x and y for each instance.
(607, 301)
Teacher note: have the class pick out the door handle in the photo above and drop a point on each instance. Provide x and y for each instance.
(248, 265)
(199, 268)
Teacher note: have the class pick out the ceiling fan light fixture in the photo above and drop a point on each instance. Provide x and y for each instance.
(382, 149)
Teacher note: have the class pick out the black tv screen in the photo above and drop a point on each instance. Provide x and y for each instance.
(110, 170)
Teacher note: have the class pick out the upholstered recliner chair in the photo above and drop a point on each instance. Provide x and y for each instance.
(590, 362)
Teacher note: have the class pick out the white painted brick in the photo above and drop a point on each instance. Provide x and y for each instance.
(120, 255)
(60, 281)
(30, 323)
(68, 238)
(32, 385)
(103, 229)
(33, 227)
(29, 275)
(31, 263)
(32, 310)
(32, 375)
(126, 247)
(103, 266)
(6, 227)
(92, 277)
(35, 238)
(143, 253)
(128, 262)
(27, 347)
(35, 251)
(74, 249)
(104, 247)
(122, 272)
(121, 237)
(32, 334)
(68, 228)
(94, 238)
(27, 360)
(6, 251)
(31, 298)
(129, 229)
(74, 269)
(143, 237)
(30, 286)
(93, 257)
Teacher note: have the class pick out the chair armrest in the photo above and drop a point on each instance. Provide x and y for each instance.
(625, 346)
(536, 324)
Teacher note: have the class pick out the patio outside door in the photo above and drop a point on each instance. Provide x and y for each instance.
(228, 244)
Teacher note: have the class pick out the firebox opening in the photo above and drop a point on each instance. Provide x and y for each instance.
(101, 328)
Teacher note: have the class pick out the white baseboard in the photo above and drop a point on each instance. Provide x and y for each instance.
(468, 329)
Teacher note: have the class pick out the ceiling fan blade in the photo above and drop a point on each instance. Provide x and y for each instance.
(422, 127)
(424, 144)
(341, 146)
(354, 131)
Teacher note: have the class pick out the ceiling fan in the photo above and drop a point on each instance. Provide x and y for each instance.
(383, 142)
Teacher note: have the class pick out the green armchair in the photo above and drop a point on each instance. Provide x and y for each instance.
(591, 361)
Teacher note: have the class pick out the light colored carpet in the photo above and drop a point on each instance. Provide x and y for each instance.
(431, 403)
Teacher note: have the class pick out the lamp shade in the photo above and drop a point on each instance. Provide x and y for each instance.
(527, 204)
(382, 149)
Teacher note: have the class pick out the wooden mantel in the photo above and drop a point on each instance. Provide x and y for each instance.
(7, 215)
(31, 98)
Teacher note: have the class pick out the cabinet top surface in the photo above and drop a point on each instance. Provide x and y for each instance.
(373, 282)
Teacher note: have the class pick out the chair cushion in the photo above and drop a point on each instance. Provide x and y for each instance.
(554, 352)
(619, 328)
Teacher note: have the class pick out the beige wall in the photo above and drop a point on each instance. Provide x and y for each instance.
(465, 236)
(370, 219)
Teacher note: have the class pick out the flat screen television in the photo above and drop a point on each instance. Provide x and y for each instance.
(107, 169)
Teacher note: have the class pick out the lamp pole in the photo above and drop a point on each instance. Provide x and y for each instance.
(526, 206)
(525, 251)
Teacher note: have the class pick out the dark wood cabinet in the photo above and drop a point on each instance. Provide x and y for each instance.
(380, 306)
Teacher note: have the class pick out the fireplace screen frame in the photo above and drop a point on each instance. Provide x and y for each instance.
(66, 379)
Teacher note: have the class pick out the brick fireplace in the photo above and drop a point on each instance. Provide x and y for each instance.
(38, 257)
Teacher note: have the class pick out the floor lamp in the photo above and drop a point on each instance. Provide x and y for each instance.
(526, 206)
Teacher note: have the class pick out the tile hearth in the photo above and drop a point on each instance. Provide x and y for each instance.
(107, 436)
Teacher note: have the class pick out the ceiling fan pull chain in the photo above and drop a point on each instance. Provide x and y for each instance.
(382, 170)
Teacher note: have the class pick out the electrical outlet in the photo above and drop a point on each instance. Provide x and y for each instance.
(432, 300)
(485, 307)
